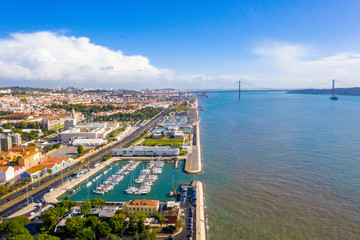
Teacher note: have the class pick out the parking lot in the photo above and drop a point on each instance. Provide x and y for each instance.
(188, 204)
(63, 152)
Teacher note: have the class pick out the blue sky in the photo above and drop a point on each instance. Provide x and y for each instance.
(188, 44)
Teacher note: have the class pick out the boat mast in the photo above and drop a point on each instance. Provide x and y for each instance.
(239, 88)
(333, 87)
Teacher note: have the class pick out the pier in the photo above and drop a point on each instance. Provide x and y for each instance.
(194, 160)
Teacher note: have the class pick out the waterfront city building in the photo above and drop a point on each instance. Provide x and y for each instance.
(146, 151)
(147, 207)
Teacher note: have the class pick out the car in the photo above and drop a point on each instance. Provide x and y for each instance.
(28, 215)
(9, 199)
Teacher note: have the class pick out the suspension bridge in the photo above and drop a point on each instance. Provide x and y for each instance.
(328, 88)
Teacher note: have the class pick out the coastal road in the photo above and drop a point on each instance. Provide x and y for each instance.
(19, 199)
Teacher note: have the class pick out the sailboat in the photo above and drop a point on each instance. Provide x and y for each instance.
(333, 97)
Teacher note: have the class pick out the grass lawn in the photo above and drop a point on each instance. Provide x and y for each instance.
(57, 127)
(162, 142)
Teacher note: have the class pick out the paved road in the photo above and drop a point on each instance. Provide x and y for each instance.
(19, 199)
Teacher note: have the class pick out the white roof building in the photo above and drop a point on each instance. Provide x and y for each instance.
(146, 151)
(92, 142)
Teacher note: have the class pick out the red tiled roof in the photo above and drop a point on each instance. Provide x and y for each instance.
(144, 202)
(4, 169)
(23, 148)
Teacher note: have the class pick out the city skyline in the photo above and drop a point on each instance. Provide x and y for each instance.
(183, 45)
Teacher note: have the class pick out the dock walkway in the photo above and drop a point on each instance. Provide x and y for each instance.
(194, 161)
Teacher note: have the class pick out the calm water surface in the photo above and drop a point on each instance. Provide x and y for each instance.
(276, 166)
(281, 166)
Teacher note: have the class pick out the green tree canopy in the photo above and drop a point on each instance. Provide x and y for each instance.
(92, 222)
(21, 220)
(85, 234)
(47, 237)
(115, 237)
(67, 204)
(51, 216)
(179, 224)
(117, 222)
(16, 227)
(85, 208)
(148, 235)
(80, 149)
(103, 229)
(97, 202)
(74, 224)
(24, 237)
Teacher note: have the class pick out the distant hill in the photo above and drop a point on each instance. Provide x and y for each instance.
(338, 91)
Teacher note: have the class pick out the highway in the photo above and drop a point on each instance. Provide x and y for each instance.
(19, 199)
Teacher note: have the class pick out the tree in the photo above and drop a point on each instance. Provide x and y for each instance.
(85, 234)
(67, 204)
(21, 220)
(47, 237)
(85, 208)
(92, 222)
(179, 223)
(148, 235)
(50, 217)
(103, 229)
(3, 226)
(97, 202)
(74, 224)
(1, 130)
(161, 220)
(24, 237)
(16, 227)
(117, 222)
(57, 145)
(80, 149)
(3, 190)
(31, 145)
(115, 237)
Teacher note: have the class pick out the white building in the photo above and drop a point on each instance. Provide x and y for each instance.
(88, 142)
(146, 151)
(87, 131)
(6, 173)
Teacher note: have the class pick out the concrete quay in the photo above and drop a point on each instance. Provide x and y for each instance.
(200, 212)
(193, 163)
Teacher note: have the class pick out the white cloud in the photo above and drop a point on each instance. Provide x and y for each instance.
(51, 59)
(300, 67)
(46, 56)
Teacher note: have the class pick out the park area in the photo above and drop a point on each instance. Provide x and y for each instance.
(172, 142)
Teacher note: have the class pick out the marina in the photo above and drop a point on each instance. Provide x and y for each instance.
(114, 179)
(168, 179)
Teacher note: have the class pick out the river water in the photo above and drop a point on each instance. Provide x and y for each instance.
(276, 166)
(281, 166)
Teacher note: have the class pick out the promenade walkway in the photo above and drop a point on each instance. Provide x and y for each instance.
(200, 212)
(194, 161)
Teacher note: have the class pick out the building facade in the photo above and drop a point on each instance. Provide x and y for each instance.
(146, 151)
(5, 143)
(6, 173)
(147, 207)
